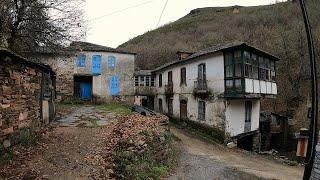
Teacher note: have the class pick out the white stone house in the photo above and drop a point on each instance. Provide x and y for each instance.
(220, 87)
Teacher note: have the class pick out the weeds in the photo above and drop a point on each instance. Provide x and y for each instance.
(6, 157)
(118, 109)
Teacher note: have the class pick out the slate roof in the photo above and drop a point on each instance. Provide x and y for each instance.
(215, 49)
(142, 73)
(85, 46)
(20, 59)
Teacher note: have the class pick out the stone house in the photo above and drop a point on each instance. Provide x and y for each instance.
(220, 87)
(27, 94)
(91, 72)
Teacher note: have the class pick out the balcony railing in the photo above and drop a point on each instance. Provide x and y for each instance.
(169, 88)
(201, 87)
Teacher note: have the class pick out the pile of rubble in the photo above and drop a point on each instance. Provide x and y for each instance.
(130, 137)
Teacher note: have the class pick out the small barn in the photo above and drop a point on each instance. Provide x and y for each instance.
(27, 94)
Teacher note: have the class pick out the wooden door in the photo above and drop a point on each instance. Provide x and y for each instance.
(183, 109)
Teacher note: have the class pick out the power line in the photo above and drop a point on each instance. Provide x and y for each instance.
(121, 10)
(162, 12)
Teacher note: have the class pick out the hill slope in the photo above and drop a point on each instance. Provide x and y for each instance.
(277, 29)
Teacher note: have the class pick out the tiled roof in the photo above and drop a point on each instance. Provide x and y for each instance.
(211, 50)
(85, 46)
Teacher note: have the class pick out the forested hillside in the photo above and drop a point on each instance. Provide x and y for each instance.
(277, 29)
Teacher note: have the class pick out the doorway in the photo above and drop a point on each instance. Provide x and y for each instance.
(248, 113)
(83, 87)
(183, 109)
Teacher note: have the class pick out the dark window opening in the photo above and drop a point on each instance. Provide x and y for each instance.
(183, 78)
(160, 106)
(170, 77)
(201, 110)
(160, 80)
(248, 114)
(170, 106)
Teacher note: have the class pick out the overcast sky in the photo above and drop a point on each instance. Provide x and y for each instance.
(113, 22)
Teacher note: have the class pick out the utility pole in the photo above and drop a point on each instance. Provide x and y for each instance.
(313, 130)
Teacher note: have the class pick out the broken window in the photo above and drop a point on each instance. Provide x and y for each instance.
(141, 81)
(201, 110)
(160, 80)
(183, 78)
(81, 61)
(255, 66)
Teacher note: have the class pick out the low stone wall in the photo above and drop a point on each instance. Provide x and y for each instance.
(19, 97)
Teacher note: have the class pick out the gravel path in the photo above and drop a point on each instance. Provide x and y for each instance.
(202, 160)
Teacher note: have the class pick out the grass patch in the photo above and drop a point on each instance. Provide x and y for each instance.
(94, 122)
(118, 109)
(28, 139)
(6, 157)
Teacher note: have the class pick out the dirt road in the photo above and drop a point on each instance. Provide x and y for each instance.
(203, 160)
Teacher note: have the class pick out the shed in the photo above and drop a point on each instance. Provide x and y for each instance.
(27, 94)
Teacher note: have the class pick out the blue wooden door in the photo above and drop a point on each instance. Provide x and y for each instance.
(86, 91)
(96, 64)
(115, 90)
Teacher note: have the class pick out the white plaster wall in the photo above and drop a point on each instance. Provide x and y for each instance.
(214, 73)
(235, 116)
(215, 107)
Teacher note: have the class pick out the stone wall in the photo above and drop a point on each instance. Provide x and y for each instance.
(20, 93)
(63, 65)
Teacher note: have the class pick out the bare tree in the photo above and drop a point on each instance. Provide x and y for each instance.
(28, 24)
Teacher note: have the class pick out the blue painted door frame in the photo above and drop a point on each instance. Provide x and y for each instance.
(114, 86)
(86, 91)
(96, 64)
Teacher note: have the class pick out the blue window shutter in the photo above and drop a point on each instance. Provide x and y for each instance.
(114, 86)
(111, 62)
(96, 64)
(81, 61)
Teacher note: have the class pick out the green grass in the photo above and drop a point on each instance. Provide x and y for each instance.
(28, 140)
(118, 109)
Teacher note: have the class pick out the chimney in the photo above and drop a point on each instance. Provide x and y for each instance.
(182, 55)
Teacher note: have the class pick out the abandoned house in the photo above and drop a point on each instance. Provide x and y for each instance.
(27, 94)
(88, 71)
(145, 90)
(220, 87)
